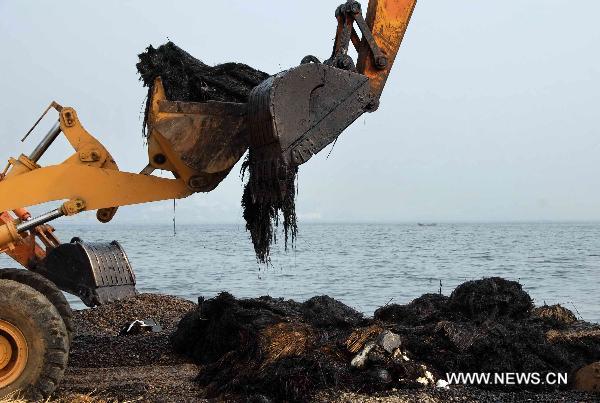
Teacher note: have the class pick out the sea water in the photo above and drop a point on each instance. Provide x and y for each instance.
(363, 265)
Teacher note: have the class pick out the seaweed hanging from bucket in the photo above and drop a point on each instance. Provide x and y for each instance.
(267, 195)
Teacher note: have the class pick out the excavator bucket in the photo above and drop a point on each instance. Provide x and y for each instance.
(97, 273)
(296, 113)
(199, 141)
(287, 119)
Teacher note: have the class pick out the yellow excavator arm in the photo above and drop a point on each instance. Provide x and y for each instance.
(388, 21)
(200, 142)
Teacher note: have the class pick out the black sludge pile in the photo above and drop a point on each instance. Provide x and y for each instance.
(187, 79)
(285, 350)
(268, 346)
(491, 325)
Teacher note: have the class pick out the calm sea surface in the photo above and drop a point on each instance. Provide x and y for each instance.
(363, 265)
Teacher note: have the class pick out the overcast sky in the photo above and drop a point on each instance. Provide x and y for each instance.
(490, 113)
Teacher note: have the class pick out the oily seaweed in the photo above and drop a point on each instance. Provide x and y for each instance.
(274, 347)
(284, 350)
(267, 199)
(186, 78)
(425, 309)
(490, 325)
(266, 196)
(555, 315)
(491, 298)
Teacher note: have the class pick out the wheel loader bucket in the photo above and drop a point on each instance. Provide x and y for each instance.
(296, 113)
(97, 273)
(199, 141)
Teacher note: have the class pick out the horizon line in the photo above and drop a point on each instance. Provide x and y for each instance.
(349, 222)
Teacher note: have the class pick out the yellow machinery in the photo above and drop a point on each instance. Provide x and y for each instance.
(289, 117)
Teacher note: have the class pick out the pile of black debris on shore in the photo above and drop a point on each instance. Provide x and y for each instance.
(186, 78)
(284, 350)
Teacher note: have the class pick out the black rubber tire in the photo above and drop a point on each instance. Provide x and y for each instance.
(47, 340)
(46, 287)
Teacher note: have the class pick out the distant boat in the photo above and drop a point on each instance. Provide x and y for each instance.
(426, 225)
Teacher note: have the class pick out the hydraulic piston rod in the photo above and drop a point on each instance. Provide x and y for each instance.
(48, 139)
(42, 219)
